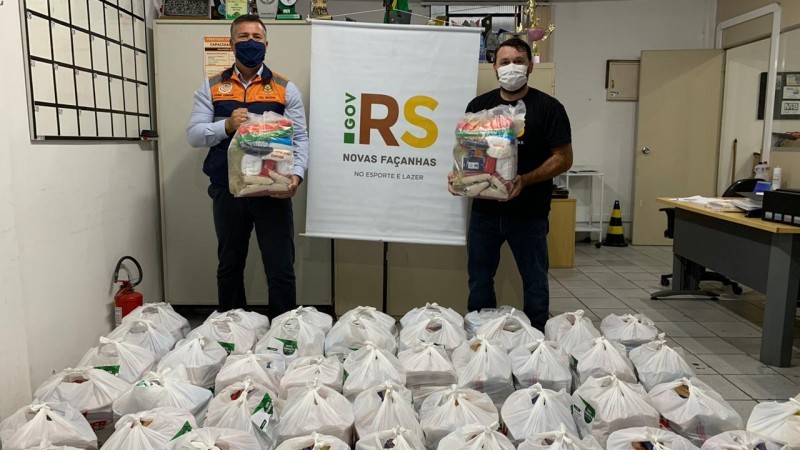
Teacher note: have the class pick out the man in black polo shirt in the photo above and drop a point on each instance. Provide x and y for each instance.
(545, 150)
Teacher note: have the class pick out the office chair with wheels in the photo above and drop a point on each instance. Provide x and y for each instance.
(743, 185)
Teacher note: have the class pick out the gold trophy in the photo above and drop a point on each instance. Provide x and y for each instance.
(530, 27)
(319, 10)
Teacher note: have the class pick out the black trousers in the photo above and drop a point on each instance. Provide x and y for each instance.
(234, 220)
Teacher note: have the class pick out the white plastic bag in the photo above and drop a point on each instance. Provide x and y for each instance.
(428, 368)
(315, 441)
(383, 407)
(647, 437)
(246, 406)
(215, 439)
(743, 440)
(90, 391)
(150, 430)
(476, 437)
(604, 405)
(694, 410)
(397, 438)
(370, 366)
(348, 335)
(570, 330)
(474, 319)
(167, 387)
(602, 357)
(58, 423)
(559, 440)
(541, 362)
(146, 334)
(433, 329)
(429, 310)
(310, 314)
(484, 365)
(251, 320)
(630, 330)
(658, 363)
(266, 369)
(317, 409)
(162, 314)
(235, 338)
(446, 410)
(306, 369)
(371, 313)
(536, 410)
(201, 357)
(777, 420)
(127, 361)
(511, 330)
(44, 444)
(292, 336)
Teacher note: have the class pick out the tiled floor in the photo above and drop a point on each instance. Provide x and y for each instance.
(721, 340)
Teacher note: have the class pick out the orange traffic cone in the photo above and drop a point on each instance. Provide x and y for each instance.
(615, 236)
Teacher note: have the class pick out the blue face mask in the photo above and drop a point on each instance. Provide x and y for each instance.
(250, 53)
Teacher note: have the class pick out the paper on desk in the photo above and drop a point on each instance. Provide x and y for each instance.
(697, 199)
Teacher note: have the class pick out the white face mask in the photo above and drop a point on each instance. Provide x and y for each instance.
(512, 76)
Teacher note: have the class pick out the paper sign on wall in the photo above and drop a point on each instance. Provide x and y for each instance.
(218, 54)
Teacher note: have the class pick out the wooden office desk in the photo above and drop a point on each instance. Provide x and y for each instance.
(762, 255)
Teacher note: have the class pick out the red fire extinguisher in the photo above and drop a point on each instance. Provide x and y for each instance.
(126, 299)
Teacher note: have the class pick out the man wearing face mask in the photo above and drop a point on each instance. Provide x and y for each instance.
(544, 151)
(221, 106)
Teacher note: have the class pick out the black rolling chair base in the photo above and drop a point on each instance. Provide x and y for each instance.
(683, 293)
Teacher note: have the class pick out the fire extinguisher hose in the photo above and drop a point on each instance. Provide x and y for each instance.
(138, 267)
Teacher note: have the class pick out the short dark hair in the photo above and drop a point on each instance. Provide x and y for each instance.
(248, 18)
(518, 44)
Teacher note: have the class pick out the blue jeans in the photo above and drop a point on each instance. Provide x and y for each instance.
(527, 238)
(234, 220)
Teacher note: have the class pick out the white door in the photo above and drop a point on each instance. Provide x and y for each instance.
(677, 137)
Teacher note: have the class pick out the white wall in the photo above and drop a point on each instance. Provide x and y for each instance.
(743, 67)
(587, 34)
(68, 212)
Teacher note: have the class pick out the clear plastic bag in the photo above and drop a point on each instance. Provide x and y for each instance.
(534, 410)
(541, 362)
(658, 363)
(261, 156)
(485, 153)
(58, 423)
(127, 361)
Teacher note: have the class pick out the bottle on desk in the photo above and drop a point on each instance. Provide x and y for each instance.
(776, 178)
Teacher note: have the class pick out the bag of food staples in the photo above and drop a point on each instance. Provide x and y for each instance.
(484, 365)
(541, 362)
(657, 363)
(433, 329)
(601, 357)
(384, 407)
(306, 369)
(127, 361)
(261, 156)
(266, 369)
(428, 369)
(476, 437)
(146, 334)
(371, 313)
(371, 366)
(474, 319)
(310, 314)
(536, 410)
(317, 409)
(215, 439)
(397, 438)
(446, 410)
(349, 335)
(248, 319)
(150, 430)
(485, 153)
(777, 420)
(59, 423)
(201, 357)
(234, 337)
(246, 406)
(630, 330)
(647, 437)
(570, 330)
(510, 330)
(292, 336)
(559, 440)
(430, 309)
(743, 440)
(314, 441)
(162, 314)
(167, 387)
